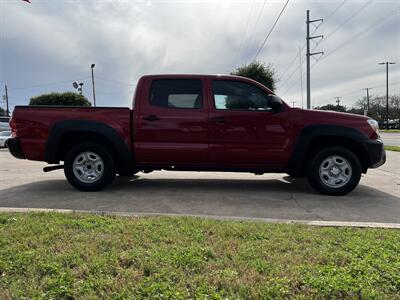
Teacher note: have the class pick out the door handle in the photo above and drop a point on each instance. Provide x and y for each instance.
(151, 118)
(220, 120)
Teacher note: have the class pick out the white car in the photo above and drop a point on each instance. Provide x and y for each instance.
(4, 124)
(4, 136)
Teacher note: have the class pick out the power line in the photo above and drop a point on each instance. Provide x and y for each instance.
(115, 81)
(270, 31)
(358, 35)
(256, 24)
(335, 10)
(361, 33)
(245, 30)
(325, 21)
(47, 84)
(292, 62)
(348, 19)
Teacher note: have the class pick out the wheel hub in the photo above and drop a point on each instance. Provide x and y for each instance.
(88, 167)
(335, 171)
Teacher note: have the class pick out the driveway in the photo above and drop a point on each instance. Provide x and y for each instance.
(390, 138)
(277, 196)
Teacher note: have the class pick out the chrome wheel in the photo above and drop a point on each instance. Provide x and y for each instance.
(335, 171)
(88, 167)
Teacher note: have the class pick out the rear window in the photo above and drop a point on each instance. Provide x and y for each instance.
(177, 93)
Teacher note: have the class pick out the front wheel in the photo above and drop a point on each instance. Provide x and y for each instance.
(334, 171)
(89, 167)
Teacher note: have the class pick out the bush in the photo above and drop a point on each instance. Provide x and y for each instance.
(60, 99)
(264, 74)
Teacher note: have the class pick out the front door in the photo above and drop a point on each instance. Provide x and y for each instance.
(172, 128)
(244, 131)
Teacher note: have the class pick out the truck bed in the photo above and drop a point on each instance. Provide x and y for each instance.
(34, 123)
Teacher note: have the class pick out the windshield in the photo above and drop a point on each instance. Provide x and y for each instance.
(5, 133)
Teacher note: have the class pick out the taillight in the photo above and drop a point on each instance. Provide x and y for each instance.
(13, 126)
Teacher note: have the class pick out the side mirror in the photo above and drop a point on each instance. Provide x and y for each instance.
(275, 103)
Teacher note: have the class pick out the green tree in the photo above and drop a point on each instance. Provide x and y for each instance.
(264, 74)
(332, 107)
(377, 107)
(2, 111)
(60, 99)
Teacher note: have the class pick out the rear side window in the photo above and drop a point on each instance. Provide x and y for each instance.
(177, 93)
(236, 95)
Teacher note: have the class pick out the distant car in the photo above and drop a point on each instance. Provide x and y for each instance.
(4, 136)
(4, 124)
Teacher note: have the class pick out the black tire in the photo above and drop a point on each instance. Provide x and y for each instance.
(6, 145)
(321, 185)
(108, 167)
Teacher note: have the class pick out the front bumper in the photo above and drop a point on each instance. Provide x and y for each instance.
(14, 146)
(376, 153)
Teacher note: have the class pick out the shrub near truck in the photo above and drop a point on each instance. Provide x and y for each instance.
(202, 123)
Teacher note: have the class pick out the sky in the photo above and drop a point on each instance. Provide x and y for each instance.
(47, 45)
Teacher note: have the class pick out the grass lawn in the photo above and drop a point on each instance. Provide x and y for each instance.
(390, 130)
(50, 255)
(392, 148)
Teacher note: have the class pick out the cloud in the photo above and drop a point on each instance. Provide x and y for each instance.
(53, 41)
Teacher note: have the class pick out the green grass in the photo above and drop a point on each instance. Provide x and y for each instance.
(53, 256)
(392, 148)
(390, 130)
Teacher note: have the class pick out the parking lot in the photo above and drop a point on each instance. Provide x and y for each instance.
(277, 196)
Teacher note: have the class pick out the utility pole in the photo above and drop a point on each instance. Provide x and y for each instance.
(367, 89)
(94, 92)
(308, 38)
(387, 90)
(301, 79)
(7, 107)
(293, 102)
(338, 101)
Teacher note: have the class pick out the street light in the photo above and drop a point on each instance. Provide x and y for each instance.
(78, 86)
(387, 90)
(94, 93)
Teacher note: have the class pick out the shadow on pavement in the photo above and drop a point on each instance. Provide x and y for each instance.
(286, 198)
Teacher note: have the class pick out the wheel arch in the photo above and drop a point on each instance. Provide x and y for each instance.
(316, 137)
(66, 134)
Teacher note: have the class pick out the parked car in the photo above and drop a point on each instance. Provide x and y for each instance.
(199, 123)
(4, 136)
(4, 124)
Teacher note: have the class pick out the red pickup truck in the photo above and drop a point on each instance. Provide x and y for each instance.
(199, 123)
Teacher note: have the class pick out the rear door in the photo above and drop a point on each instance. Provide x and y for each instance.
(244, 131)
(171, 126)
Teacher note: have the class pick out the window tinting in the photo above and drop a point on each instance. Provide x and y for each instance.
(235, 95)
(176, 93)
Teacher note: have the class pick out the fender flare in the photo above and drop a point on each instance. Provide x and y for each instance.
(110, 134)
(311, 132)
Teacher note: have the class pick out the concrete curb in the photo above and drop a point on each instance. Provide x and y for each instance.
(231, 218)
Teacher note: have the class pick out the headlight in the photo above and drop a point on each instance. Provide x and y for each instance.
(374, 125)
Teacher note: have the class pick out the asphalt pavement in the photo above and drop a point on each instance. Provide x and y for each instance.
(276, 196)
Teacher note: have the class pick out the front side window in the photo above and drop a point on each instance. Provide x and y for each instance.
(176, 93)
(236, 95)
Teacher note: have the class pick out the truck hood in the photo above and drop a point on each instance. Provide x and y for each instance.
(328, 114)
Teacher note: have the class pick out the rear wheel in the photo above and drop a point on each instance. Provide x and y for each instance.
(89, 167)
(334, 171)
